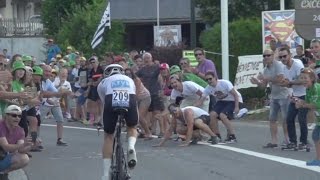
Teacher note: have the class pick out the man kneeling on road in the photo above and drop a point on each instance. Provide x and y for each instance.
(13, 148)
(186, 120)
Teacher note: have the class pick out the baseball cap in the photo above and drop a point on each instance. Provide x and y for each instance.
(164, 66)
(69, 48)
(28, 69)
(83, 58)
(50, 40)
(26, 58)
(118, 59)
(174, 69)
(93, 58)
(13, 109)
(58, 56)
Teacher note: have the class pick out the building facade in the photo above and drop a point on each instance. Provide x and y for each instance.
(140, 17)
(19, 9)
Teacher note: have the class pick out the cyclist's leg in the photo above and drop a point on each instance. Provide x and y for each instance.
(132, 120)
(109, 121)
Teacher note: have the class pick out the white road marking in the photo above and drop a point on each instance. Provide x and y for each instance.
(287, 161)
(70, 127)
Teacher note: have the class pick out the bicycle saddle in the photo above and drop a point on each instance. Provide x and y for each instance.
(120, 110)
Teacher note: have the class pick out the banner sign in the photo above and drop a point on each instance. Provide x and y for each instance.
(167, 35)
(307, 21)
(190, 55)
(279, 25)
(249, 66)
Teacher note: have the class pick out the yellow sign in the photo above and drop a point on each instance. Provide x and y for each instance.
(190, 55)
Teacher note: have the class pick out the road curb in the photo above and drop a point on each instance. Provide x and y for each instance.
(18, 175)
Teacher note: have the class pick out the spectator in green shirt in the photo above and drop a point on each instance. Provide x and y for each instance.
(175, 69)
(312, 102)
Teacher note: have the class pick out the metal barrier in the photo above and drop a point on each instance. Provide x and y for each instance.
(15, 27)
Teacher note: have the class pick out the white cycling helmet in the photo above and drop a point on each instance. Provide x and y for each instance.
(113, 69)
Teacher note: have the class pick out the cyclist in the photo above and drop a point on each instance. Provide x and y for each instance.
(117, 90)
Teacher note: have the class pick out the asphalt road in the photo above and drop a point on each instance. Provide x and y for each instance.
(246, 160)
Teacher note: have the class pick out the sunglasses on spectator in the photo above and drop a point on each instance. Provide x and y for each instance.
(307, 70)
(267, 55)
(284, 56)
(315, 40)
(14, 115)
(173, 109)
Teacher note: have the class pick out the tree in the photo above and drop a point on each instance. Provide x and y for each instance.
(210, 9)
(244, 39)
(78, 29)
(54, 11)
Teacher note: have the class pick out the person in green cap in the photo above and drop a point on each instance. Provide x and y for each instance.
(19, 74)
(175, 69)
(27, 60)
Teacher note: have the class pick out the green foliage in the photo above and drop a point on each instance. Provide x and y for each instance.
(54, 11)
(244, 39)
(210, 9)
(78, 30)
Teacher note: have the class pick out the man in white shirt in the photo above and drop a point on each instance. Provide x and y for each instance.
(292, 71)
(186, 120)
(228, 99)
(48, 90)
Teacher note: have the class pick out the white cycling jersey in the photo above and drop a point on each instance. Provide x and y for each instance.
(116, 83)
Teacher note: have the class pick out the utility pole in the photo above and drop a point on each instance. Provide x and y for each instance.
(282, 6)
(225, 39)
(193, 30)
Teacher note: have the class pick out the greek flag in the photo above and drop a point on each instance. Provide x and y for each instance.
(105, 22)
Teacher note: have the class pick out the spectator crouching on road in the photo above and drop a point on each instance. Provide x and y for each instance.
(312, 101)
(13, 148)
(228, 103)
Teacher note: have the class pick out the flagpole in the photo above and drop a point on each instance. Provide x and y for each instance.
(109, 3)
(158, 20)
(158, 13)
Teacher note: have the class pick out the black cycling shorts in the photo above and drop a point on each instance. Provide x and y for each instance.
(110, 117)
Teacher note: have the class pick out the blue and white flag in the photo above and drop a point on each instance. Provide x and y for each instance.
(105, 22)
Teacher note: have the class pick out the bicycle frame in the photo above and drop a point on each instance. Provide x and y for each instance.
(119, 169)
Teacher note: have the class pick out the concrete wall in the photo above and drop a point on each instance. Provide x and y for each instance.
(34, 46)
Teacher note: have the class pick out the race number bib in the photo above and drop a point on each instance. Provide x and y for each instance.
(120, 98)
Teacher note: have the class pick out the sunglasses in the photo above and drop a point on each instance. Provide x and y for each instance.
(306, 70)
(315, 40)
(15, 115)
(208, 79)
(198, 54)
(266, 55)
(173, 109)
(284, 56)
